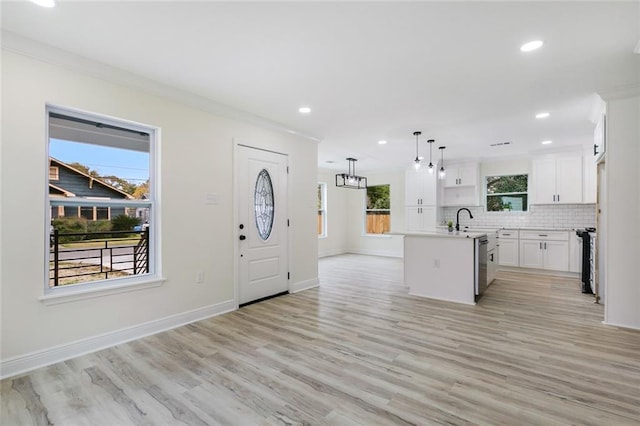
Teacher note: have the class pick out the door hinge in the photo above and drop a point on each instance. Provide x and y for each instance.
(288, 275)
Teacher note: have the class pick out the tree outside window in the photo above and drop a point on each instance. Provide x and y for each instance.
(507, 193)
(378, 209)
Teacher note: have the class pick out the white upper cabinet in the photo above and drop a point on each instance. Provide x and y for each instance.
(420, 188)
(557, 180)
(460, 185)
(461, 175)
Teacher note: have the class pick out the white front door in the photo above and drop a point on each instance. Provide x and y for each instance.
(262, 223)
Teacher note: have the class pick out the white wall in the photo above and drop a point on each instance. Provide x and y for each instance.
(383, 245)
(504, 167)
(196, 158)
(336, 198)
(623, 211)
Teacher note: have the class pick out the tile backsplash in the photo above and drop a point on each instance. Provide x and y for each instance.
(538, 216)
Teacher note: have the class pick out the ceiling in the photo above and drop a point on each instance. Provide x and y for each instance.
(369, 71)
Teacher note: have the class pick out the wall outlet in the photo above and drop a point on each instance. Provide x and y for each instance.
(436, 263)
(199, 277)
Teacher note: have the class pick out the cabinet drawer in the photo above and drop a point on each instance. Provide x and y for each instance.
(508, 234)
(545, 235)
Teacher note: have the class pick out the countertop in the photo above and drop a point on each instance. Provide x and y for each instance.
(442, 234)
(512, 228)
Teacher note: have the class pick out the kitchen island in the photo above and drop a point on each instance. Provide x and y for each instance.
(445, 265)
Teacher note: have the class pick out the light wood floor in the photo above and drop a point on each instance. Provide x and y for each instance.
(358, 350)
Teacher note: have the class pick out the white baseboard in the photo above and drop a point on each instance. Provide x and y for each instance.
(625, 326)
(31, 361)
(303, 285)
(385, 253)
(331, 253)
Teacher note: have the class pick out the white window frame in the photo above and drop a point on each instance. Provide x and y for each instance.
(364, 221)
(72, 292)
(323, 208)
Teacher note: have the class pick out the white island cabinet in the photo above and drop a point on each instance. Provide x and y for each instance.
(442, 265)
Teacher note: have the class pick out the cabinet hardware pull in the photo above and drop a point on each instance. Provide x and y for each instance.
(558, 197)
(542, 235)
(595, 149)
(540, 246)
(545, 246)
(554, 198)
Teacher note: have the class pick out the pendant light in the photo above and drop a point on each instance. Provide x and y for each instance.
(442, 172)
(430, 142)
(351, 180)
(417, 160)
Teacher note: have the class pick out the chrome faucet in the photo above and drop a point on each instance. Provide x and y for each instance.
(458, 217)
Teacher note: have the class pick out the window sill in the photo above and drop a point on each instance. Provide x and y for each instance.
(56, 298)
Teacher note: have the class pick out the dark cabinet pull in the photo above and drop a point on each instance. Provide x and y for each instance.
(242, 237)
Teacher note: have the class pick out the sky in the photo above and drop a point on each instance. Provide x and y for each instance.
(130, 165)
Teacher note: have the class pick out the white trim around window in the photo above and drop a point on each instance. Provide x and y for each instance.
(322, 210)
(152, 278)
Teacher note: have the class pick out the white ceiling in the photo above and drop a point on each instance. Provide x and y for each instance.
(369, 71)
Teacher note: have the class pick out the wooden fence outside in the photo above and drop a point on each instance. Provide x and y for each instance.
(376, 223)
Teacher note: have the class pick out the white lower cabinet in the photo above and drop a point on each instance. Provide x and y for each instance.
(531, 254)
(508, 248)
(421, 218)
(544, 250)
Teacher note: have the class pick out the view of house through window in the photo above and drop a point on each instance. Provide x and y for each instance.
(322, 209)
(100, 200)
(378, 209)
(507, 193)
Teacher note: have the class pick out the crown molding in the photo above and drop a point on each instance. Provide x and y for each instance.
(620, 92)
(55, 56)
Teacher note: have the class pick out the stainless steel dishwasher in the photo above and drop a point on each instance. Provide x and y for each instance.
(481, 264)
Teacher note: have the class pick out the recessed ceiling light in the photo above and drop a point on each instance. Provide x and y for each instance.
(532, 45)
(546, 142)
(329, 161)
(304, 110)
(44, 3)
(382, 142)
(542, 115)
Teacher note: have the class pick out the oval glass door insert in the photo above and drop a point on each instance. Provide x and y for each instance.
(263, 204)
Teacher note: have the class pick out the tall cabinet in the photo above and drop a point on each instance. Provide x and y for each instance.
(421, 200)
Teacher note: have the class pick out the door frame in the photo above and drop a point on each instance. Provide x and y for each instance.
(236, 223)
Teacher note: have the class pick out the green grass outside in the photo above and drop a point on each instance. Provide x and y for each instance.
(113, 242)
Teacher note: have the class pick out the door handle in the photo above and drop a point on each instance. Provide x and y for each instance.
(242, 237)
